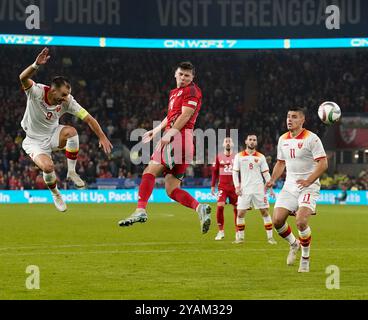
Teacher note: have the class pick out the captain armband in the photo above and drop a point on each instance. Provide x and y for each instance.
(82, 113)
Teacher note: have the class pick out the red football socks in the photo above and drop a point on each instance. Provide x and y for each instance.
(145, 190)
(184, 198)
(220, 217)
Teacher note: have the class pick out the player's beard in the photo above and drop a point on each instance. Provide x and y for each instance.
(251, 147)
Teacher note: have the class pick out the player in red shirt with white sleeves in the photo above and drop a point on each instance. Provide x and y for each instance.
(175, 150)
(222, 171)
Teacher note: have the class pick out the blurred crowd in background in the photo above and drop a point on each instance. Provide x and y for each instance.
(125, 90)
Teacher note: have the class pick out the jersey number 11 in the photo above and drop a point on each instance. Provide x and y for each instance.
(292, 153)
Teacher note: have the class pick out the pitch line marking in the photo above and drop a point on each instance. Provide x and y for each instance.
(110, 244)
(239, 249)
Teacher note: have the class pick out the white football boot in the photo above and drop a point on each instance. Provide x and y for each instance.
(294, 248)
(271, 240)
(304, 265)
(59, 202)
(204, 213)
(220, 235)
(239, 237)
(140, 215)
(78, 182)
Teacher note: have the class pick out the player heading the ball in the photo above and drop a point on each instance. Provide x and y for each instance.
(174, 152)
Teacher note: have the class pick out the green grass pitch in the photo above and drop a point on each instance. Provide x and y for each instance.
(83, 254)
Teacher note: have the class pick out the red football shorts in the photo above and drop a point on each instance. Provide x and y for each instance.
(177, 155)
(230, 194)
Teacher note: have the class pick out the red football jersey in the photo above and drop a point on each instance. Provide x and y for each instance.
(223, 171)
(189, 96)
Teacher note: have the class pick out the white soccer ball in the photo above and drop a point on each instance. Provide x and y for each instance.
(329, 112)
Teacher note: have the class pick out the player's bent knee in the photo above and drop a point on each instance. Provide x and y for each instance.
(221, 204)
(151, 169)
(241, 213)
(48, 167)
(72, 132)
(169, 190)
(69, 132)
(301, 224)
(277, 222)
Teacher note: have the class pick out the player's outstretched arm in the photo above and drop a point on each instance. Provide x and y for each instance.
(276, 173)
(96, 128)
(321, 167)
(180, 122)
(186, 114)
(28, 73)
(177, 126)
(148, 136)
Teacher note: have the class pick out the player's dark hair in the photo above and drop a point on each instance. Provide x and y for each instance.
(60, 81)
(298, 109)
(186, 65)
(251, 133)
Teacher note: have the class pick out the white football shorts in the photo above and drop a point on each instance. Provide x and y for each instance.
(292, 201)
(253, 200)
(35, 147)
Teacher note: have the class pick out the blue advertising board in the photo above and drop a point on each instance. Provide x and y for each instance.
(158, 196)
(191, 44)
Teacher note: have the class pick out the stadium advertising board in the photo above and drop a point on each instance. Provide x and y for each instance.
(158, 196)
(241, 19)
(351, 138)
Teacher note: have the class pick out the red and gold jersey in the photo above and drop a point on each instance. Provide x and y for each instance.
(189, 96)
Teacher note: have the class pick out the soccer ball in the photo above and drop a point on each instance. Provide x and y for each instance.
(329, 112)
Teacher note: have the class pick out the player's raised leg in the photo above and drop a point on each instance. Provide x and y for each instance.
(305, 236)
(267, 222)
(220, 220)
(279, 218)
(173, 190)
(145, 190)
(69, 139)
(45, 163)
